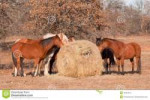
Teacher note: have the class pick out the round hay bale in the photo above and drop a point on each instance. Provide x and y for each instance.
(78, 59)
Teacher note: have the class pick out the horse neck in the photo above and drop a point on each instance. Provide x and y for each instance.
(116, 46)
(49, 46)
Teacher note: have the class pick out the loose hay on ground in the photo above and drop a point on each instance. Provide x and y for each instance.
(79, 59)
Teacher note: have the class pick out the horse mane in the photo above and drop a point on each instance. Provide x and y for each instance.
(46, 41)
(105, 39)
(48, 35)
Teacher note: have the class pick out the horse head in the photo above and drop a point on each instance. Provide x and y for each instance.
(99, 41)
(63, 38)
(58, 41)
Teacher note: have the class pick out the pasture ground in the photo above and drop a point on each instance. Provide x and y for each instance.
(113, 81)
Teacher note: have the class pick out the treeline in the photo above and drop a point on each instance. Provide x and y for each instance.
(80, 18)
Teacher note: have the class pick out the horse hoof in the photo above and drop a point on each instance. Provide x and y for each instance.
(18, 75)
(35, 75)
(14, 75)
(40, 75)
(46, 74)
(139, 72)
(24, 75)
(122, 73)
(32, 74)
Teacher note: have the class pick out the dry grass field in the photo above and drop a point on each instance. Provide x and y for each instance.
(113, 81)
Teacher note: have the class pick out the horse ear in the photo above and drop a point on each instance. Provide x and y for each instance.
(57, 35)
(97, 37)
(61, 36)
(102, 37)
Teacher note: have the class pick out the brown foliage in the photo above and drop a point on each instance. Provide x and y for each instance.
(84, 19)
(73, 17)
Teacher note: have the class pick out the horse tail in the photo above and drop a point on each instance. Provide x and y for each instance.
(14, 59)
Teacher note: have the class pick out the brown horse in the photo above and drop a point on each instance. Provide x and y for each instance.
(36, 50)
(63, 38)
(122, 51)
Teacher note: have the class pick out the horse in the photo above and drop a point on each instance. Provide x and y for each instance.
(122, 51)
(107, 55)
(48, 35)
(54, 57)
(62, 36)
(36, 50)
(49, 60)
(53, 61)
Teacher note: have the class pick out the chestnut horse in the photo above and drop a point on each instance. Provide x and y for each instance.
(54, 56)
(122, 51)
(49, 60)
(36, 50)
(46, 61)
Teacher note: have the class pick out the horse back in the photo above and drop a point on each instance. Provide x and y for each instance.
(136, 47)
(28, 41)
(116, 46)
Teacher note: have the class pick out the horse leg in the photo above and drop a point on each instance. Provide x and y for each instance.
(21, 64)
(132, 62)
(106, 66)
(14, 66)
(18, 66)
(40, 65)
(52, 61)
(138, 63)
(109, 69)
(35, 68)
(118, 63)
(109, 66)
(122, 65)
(15, 71)
(46, 67)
